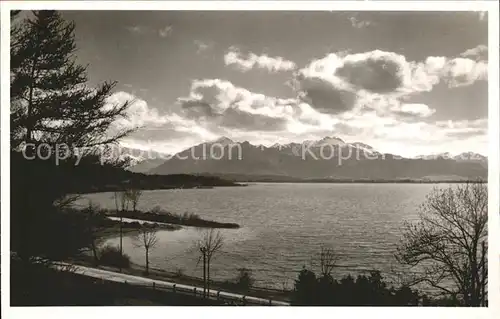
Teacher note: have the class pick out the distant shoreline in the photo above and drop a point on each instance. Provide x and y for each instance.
(365, 182)
(241, 178)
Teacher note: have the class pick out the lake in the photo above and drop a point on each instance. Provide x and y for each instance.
(283, 227)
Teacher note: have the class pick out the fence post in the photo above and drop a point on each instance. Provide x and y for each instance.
(153, 285)
(194, 291)
(173, 288)
(218, 295)
(270, 302)
(244, 300)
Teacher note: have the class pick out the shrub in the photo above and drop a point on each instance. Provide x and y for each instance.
(349, 291)
(110, 256)
(156, 210)
(244, 280)
(179, 272)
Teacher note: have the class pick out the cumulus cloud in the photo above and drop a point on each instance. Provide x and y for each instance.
(162, 132)
(221, 103)
(239, 119)
(479, 53)
(336, 81)
(376, 71)
(202, 46)
(266, 120)
(326, 96)
(414, 110)
(251, 60)
(462, 72)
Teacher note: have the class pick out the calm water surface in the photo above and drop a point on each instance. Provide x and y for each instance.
(283, 227)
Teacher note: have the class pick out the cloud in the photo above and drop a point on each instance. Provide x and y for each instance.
(462, 72)
(359, 24)
(141, 30)
(137, 29)
(202, 46)
(376, 71)
(414, 110)
(479, 53)
(165, 32)
(221, 103)
(324, 95)
(261, 119)
(337, 80)
(167, 133)
(247, 62)
(239, 119)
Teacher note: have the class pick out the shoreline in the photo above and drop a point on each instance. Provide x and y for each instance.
(157, 216)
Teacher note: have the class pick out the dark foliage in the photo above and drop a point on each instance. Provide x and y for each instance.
(111, 256)
(244, 281)
(54, 115)
(50, 100)
(349, 291)
(39, 285)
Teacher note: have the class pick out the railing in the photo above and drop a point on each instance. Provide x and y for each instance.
(176, 288)
(224, 296)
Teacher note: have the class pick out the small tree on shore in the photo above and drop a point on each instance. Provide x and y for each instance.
(146, 238)
(209, 244)
(134, 195)
(327, 261)
(244, 280)
(447, 246)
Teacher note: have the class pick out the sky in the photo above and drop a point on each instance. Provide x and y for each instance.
(407, 83)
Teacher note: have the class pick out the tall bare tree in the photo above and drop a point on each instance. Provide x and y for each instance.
(447, 246)
(327, 261)
(124, 199)
(134, 195)
(121, 204)
(146, 238)
(209, 244)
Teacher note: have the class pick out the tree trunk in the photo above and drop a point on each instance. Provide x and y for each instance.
(94, 252)
(208, 276)
(121, 240)
(147, 261)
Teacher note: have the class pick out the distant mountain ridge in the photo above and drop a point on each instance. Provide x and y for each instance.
(329, 157)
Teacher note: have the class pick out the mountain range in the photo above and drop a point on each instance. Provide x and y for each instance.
(327, 158)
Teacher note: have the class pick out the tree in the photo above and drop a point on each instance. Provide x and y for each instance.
(209, 244)
(50, 100)
(146, 238)
(306, 288)
(134, 195)
(327, 261)
(447, 246)
(244, 280)
(122, 199)
(51, 106)
(93, 218)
